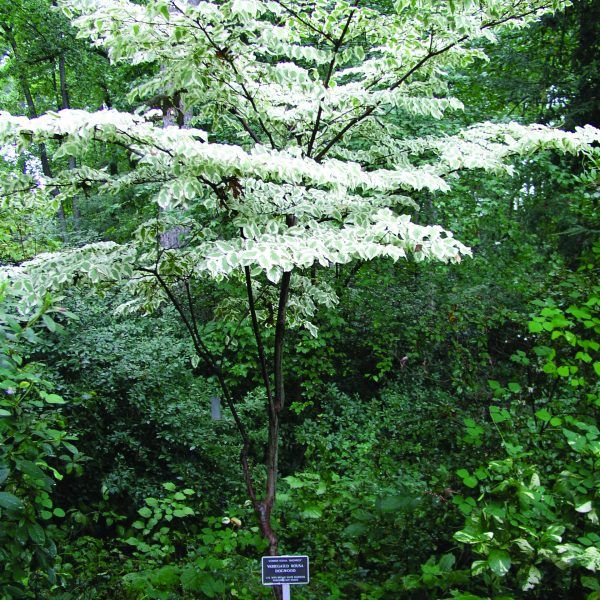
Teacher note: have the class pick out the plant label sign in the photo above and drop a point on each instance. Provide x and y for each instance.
(285, 570)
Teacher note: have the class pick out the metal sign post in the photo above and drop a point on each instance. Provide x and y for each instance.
(285, 571)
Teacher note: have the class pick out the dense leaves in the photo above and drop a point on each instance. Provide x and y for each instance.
(192, 198)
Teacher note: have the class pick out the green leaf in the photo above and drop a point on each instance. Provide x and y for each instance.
(579, 313)
(514, 387)
(195, 580)
(471, 535)
(499, 562)
(535, 327)
(355, 529)
(145, 512)
(481, 474)
(524, 546)
(312, 512)
(50, 324)
(389, 504)
(294, 482)
(183, 512)
(164, 11)
(477, 568)
(554, 533)
(549, 368)
(52, 398)
(10, 502)
(583, 356)
(543, 415)
(591, 583)
(30, 468)
(499, 415)
(166, 577)
(470, 482)
(191, 578)
(36, 533)
(584, 507)
(446, 562)
(532, 578)
(132, 541)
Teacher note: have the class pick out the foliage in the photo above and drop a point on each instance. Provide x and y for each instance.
(537, 504)
(36, 452)
(140, 423)
(215, 196)
(170, 550)
(336, 208)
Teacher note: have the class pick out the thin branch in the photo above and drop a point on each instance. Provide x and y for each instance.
(431, 54)
(304, 21)
(326, 81)
(204, 353)
(371, 109)
(262, 360)
(355, 269)
(245, 125)
(284, 291)
(223, 52)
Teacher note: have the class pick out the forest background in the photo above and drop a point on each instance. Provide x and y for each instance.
(439, 438)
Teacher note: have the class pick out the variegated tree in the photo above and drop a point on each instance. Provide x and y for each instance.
(277, 150)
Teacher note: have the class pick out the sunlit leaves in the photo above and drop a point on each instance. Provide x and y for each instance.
(295, 86)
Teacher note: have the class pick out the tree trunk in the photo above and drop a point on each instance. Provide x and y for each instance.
(31, 109)
(65, 104)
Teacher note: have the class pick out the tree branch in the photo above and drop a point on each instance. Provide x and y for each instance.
(204, 353)
(431, 54)
(304, 21)
(257, 335)
(222, 52)
(245, 125)
(326, 81)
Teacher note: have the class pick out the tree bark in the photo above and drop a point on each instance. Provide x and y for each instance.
(32, 111)
(66, 104)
